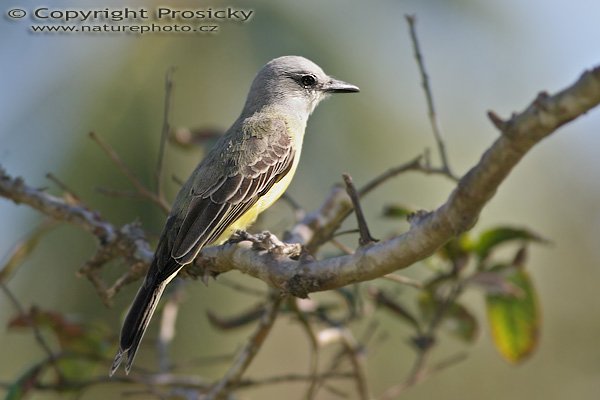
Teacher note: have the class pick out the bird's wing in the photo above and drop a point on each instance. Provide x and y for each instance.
(219, 205)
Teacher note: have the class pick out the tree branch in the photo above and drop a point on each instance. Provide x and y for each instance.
(233, 376)
(16, 190)
(300, 276)
(141, 189)
(166, 128)
(428, 231)
(39, 338)
(435, 126)
(128, 241)
(363, 228)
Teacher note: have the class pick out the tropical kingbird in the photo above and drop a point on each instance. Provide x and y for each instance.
(249, 168)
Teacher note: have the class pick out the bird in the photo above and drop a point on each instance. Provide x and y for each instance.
(244, 173)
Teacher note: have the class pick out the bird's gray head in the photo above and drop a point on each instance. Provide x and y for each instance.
(294, 84)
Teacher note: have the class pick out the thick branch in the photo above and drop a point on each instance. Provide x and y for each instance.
(301, 276)
(127, 241)
(428, 231)
(16, 190)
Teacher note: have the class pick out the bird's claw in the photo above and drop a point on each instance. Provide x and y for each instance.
(268, 242)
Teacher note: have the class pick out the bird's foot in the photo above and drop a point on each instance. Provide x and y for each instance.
(268, 242)
(240, 236)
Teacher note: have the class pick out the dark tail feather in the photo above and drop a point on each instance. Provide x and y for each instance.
(137, 321)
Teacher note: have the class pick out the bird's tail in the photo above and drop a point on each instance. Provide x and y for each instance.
(137, 321)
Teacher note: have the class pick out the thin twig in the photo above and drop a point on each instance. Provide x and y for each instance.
(345, 249)
(368, 338)
(169, 380)
(39, 338)
(412, 19)
(335, 209)
(395, 391)
(246, 317)
(354, 351)
(336, 391)
(314, 348)
(233, 376)
(424, 344)
(415, 164)
(390, 173)
(443, 307)
(403, 280)
(238, 287)
(142, 190)
(72, 195)
(299, 212)
(351, 349)
(346, 232)
(130, 243)
(166, 128)
(252, 383)
(427, 341)
(365, 235)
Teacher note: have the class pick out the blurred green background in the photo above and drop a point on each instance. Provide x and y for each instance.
(481, 55)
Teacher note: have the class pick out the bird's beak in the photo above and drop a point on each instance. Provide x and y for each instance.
(336, 86)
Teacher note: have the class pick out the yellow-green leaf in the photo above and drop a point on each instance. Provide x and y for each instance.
(514, 320)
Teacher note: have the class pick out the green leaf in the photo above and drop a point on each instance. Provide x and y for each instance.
(457, 321)
(397, 211)
(514, 320)
(489, 239)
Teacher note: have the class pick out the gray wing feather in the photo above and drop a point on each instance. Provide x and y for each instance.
(214, 209)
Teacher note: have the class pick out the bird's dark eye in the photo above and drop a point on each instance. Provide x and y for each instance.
(308, 81)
